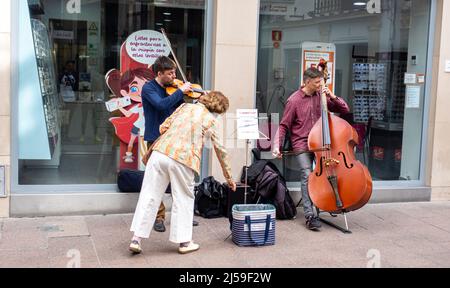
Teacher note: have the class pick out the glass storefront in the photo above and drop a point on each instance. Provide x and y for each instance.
(66, 49)
(376, 52)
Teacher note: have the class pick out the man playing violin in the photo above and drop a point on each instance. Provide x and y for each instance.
(158, 105)
(302, 111)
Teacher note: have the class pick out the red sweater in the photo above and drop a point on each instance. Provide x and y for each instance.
(300, 114)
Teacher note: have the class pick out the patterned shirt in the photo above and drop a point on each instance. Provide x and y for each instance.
(183, 135)
(301, 113)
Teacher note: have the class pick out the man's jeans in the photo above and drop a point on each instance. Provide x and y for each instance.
(305, 162)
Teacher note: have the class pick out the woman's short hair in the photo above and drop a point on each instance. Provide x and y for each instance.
(215, 102)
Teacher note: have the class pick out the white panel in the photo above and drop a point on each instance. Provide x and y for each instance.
(33, 137)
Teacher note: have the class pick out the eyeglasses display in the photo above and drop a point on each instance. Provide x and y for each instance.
(378, 88)
(47, 78)
(369, 90)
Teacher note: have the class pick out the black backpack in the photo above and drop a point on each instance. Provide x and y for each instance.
(271, 188)
(210, 199)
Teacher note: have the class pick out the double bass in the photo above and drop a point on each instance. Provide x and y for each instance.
(339, 183)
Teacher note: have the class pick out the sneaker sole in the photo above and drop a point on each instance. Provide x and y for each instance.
(135, 250)
(314, 228)
(188, 251)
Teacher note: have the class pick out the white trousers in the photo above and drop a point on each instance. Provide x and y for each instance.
(160, 171)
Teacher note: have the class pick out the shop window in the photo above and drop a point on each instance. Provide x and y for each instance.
(66, 50)
(373, 48)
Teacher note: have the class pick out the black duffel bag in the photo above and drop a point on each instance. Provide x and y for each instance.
(130, 180)
(210, 199)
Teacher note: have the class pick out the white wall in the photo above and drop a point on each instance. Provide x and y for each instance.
(5, 101)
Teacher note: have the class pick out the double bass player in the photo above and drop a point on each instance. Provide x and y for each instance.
(302, 111)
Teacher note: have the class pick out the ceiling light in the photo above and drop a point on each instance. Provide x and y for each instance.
(167, 20)
(359, 3)
(167, 13)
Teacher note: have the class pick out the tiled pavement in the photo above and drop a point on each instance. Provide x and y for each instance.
(385, 235)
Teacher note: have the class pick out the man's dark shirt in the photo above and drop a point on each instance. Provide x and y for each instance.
(301, 113)
(157, 107)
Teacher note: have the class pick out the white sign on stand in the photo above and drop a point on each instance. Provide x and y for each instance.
(247, 124)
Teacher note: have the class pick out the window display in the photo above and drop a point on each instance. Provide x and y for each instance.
(370, 61)
(62, 63)
(46, 78)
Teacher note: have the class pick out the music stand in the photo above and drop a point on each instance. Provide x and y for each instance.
(247, 129)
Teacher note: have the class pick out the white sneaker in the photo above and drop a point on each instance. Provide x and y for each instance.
(135, 247)
(128, 158)
(188, 249)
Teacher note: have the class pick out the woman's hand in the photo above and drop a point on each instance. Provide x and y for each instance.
(232, 185)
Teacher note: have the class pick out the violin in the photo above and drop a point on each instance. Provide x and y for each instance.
(196, 92)
(339, 183)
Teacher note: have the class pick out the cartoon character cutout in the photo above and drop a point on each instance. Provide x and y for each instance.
(131, 126)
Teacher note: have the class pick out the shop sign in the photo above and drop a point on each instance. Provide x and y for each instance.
(412, 96)
(186, 4)
(277, 35)
(314, 53)
(276, 38)
(93, 29)
(275, 9)
(61, 34)
(420, 78)
(145, 46)
(410, 78)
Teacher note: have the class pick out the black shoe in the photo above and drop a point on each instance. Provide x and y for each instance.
(194, 223)
(313, 223)
(159, 226)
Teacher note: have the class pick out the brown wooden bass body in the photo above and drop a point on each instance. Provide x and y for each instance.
(339, 183)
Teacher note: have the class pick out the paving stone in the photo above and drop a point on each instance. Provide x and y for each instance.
(65, 227)
(401, 234)
(30, 258)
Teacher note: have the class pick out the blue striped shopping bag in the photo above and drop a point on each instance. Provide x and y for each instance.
(253, 224)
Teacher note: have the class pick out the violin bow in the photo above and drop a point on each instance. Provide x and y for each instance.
(296, 153)
(173, 54)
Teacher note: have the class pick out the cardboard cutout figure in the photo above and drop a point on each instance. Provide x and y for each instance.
(137, 54)
(127, 88)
